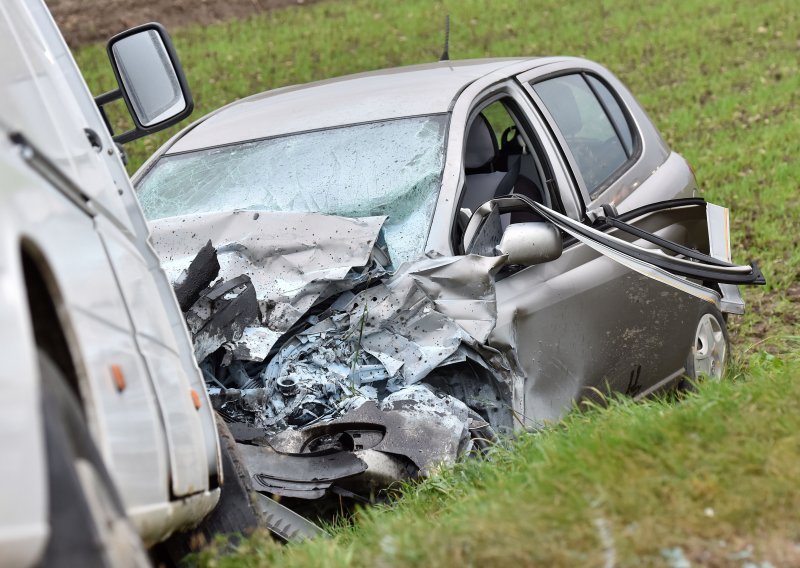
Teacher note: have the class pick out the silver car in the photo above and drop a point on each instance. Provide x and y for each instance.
(396, 266)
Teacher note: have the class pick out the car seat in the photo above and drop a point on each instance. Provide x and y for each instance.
(481, 181)
(482, 178)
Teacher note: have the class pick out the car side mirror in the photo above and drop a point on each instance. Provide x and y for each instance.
(150, 78)
(531, 243)
(525, 244)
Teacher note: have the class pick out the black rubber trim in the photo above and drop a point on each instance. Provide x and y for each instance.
(661, 206)
(665, 244)
(600, 224)
(703, 271)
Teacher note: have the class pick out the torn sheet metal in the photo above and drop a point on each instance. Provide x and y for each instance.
(203, 270)
(221, 314)
(719, 244)
(426, 428)
(409, 432)
(283, 522)
(320, 372)
(277, 252)
(303, 475)
(400, 330)
(377, 342)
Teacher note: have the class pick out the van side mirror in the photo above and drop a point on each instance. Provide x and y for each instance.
(531, 243)
(151, 81)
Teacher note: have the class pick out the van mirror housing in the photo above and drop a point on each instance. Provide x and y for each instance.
(151, 81)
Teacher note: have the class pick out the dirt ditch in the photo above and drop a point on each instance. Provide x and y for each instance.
(88, 21)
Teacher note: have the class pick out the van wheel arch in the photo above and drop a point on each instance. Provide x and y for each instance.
(51, 328)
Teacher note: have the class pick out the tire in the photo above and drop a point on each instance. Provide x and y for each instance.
(88, 525)
(710, 349)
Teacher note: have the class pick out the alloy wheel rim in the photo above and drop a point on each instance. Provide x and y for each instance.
(709, 350)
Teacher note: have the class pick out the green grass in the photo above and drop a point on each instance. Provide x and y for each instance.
(720, 79)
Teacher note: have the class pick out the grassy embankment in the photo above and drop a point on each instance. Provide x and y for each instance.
(638, 484)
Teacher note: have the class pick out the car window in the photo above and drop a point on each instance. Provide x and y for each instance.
(587, 129)
(391, 168)
(614, 111)
(499, 120)
(502, 155)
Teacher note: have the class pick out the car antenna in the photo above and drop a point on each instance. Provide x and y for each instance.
(446, 53)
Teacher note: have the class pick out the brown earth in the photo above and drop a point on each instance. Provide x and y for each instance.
(88, 21)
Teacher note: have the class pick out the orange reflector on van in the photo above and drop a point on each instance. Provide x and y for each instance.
(196, 399)
(119, 378)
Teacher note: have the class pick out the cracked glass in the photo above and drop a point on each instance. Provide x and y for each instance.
(391, 168)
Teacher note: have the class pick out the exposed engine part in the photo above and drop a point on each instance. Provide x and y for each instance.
(326, 392)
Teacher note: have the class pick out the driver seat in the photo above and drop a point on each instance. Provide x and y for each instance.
(481, 181)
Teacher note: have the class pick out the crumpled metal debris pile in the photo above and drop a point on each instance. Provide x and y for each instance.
(345, 357)
(365, 346)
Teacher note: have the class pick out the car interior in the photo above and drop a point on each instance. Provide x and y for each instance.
(498, 161)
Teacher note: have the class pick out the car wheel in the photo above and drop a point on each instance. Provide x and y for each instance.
(88, 525)
(710, 349)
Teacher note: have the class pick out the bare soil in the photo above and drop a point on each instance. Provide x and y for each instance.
(89, 21)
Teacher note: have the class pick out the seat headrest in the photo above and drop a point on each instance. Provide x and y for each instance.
(560, 101)
(481, 144)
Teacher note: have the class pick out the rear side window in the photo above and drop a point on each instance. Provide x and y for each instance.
(591, 122)
(615, 112)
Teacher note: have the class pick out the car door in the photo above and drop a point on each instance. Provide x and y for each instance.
(584, 323)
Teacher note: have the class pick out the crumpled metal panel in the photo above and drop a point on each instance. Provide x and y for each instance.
(380, 341)
(275, 250)
(410, 324)
(332, 361)
(222, 314)
(362, 347)
(425, 428)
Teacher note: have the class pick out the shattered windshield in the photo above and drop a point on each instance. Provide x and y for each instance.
(391, 168)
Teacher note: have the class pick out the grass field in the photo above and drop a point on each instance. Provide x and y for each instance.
(637, 484)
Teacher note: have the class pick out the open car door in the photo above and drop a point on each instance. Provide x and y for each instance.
(617, 311)
(677, 265)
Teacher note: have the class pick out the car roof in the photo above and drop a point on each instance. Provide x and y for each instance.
(365, 97)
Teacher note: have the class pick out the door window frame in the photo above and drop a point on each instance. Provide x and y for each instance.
(530, 78)
(561, 187)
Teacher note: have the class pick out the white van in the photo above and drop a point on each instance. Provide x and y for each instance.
(105, 418)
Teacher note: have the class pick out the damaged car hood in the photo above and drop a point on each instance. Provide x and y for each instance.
(293, 259)
(271, 360)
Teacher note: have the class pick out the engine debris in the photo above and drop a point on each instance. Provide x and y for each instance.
(339, 380)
